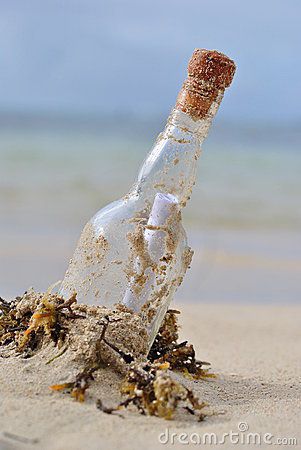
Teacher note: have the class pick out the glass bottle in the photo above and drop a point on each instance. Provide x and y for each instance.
(134, 251)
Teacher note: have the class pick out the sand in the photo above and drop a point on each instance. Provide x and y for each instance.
(254, 350)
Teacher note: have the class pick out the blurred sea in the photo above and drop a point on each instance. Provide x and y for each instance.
(243, 220)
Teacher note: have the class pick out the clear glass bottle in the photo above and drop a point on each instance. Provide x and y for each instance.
(117, 258)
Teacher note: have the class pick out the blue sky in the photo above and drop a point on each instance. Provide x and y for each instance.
(88, 56)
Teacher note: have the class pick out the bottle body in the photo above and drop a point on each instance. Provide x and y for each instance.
(106, 255)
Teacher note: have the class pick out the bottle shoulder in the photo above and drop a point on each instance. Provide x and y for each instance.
(170, 167)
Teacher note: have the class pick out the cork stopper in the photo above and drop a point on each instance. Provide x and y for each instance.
(209, 74)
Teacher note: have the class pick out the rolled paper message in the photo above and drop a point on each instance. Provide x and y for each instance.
(164, 210)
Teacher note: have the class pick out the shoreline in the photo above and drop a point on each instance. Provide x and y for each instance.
(228, 266)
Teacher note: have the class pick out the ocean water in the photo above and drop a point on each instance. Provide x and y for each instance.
(244, 217)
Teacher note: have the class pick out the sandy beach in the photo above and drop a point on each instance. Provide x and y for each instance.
(232, 304)
(103, 101)
(254, 351)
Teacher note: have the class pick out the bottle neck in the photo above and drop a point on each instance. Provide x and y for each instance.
(170, 167)
(197, 127)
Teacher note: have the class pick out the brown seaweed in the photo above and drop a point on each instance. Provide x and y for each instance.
(34, 319)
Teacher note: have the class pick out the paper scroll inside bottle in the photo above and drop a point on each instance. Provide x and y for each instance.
(157, 232)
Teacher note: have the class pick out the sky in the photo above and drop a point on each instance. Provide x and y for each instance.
(130, 56)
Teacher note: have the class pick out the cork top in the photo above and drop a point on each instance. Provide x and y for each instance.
(209, 74)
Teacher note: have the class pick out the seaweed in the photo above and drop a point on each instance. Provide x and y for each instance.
(78, 387)
(26, 327)
(150, 386)
(154, 392)
(180, 356)
(105, 409)
(9, 323)
(127, 357)
(49, 318)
